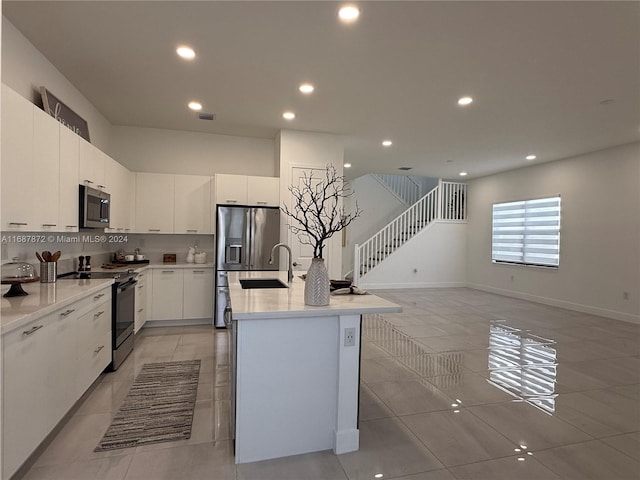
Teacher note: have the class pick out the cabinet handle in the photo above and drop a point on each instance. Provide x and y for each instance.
(140, 286)
(141, 310)
(97, 350)
(127, 229)
(167, 271)
(99, 296)
(230, 200)
(32, 330)
(68, 312)
(100, 186)
(261, 203)
(49, 224)
(71, 226)
(96, 315)
(18, 223)
(198, 271)
(154, 229)
(87, 181)
(193, 230)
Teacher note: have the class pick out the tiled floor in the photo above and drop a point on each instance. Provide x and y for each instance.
(462, 385)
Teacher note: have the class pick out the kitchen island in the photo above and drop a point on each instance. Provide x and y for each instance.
(296, 369)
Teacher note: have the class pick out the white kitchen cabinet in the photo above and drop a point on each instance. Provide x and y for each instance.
(231, 189)
(91, 167)
(46, 171)
(118, 179)
(68, 185)
(263, 191)
(17, 162)
(167, 294)
(140, 317)
(198, 293)
(154, 203)
(192, 202)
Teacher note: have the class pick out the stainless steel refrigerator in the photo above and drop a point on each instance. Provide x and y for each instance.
(244, 239)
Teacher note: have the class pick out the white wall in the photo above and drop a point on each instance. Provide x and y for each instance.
(599, 239)
(434, 257)
(25, 69)
(173, 151)
(379, 206)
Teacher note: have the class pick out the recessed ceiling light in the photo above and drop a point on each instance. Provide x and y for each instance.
(530, 157)
(463, 174)
(289, 115)
(195, 106)
(349, 13)
(306, 88)
(186, 52)
(387, 143)
(465, 100)
(347, 165)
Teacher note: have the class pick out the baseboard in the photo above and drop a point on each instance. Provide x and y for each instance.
(390, 286)
(177, 323)
(578, 307)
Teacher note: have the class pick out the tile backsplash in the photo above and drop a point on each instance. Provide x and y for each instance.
(100, 246)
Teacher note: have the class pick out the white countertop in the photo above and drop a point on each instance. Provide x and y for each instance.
(45, 298)
(264, 303)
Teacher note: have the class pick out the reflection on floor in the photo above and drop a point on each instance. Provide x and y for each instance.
(462, 385)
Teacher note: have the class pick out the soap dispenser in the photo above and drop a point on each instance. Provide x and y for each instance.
(191, 255)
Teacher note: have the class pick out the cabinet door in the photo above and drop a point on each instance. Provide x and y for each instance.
(141, 302)
(198, 293)
(263, 191)
(91, 166)
(231, 189)
(154, 203)
(17, 162)
(46, 171)
(192, 204)
(167, 294)
(68, 185)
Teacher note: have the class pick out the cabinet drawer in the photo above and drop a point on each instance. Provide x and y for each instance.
(93, 362)
(93, 325)
(92, 301)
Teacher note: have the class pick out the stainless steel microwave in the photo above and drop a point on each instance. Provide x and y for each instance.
(94, 208)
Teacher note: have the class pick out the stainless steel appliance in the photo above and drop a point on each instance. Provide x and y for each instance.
(122, 310)
(244, 238)
(94, 208)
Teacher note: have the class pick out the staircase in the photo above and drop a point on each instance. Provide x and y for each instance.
(446, 202)
(402, 186)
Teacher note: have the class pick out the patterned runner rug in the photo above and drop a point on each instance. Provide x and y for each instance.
(158, 408)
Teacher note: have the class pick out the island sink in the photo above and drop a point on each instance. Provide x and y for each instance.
(262, 283)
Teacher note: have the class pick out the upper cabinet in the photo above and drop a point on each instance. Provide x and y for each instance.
(46, 171)
(247, 190)
(154, 203)
(69, 164)
(118, 178)
(17, 162)
(263, 191)
(91, 170)
(168, 203)
(192, 204)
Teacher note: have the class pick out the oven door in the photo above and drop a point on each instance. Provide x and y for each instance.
(124, 309)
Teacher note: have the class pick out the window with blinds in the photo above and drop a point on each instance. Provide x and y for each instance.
(527, 232)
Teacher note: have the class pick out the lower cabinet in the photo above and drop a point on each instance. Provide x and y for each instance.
(44, 364)
(182, 293)
(140, 316)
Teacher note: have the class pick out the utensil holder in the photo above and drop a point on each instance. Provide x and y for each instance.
(48, 272)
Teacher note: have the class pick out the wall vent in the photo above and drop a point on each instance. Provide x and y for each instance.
(206, 116)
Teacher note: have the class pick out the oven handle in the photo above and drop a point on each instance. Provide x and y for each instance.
(124, 286)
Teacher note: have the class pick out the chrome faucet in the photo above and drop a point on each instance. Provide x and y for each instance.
(290, 271)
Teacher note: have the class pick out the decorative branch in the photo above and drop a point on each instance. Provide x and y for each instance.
(317, 211)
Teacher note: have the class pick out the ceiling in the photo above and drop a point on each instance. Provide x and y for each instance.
(538, 72)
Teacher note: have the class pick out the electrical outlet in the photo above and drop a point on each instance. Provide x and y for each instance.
(349, 337)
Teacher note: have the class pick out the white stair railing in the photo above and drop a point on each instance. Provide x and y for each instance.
(405, 188)
(445, 202)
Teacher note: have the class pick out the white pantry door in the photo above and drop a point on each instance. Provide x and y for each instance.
(303, 253)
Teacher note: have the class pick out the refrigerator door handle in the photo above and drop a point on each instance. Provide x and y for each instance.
(252, 237)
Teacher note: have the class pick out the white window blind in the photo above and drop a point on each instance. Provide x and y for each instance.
(527, 232)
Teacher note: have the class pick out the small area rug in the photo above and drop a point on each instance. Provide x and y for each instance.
(158, 408)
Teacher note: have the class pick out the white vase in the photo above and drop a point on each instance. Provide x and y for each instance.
(316, 284)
